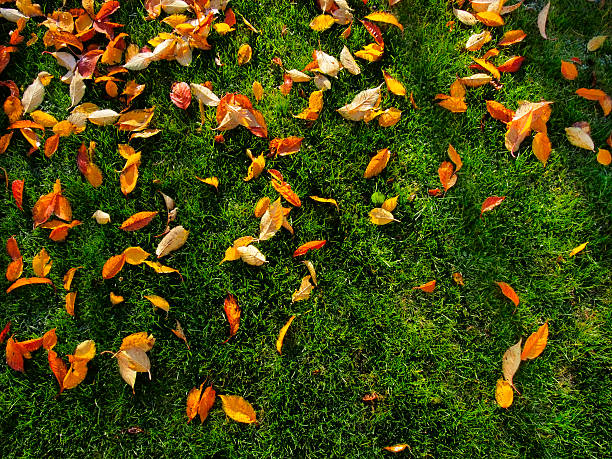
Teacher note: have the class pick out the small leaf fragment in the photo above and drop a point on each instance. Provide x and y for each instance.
(578, 249)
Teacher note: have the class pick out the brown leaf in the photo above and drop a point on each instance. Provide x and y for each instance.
(542, 18)
(180, 334)
(511, 361)
(490, 203)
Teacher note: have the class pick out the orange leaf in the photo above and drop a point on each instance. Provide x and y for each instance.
(511, 65)
(14, 355)
(137, 221)
(454, 157)
(193, 402)
(377, 163)
(5, 331)
(17, 188)
(393, 85)
(28, 281)
(490, 18)
(569, 70)
(244, 54)
(447, 175)
(285, 146)
(536, 343)
(70, 300)
(511, 37)
(541, 147)
(113, 265)
(206, 403)
(427, 287)
(312, 245)
(490, 203)
(504, 395)
(397, 448)
(509, 292)
(49, 339)
(69, 276)
(604, 157)
(286, 192)
(499, 112)
(58, 367)
(488, 67)
(232, 312)
(282, 333)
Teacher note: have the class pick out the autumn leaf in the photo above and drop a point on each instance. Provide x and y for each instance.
(388, 18)
(458, 278)
(604, 157)
(569, 70)
(380, 216)
(17, 189)
(504, 395)
(396, 448)
(348, 61)
(536, 343)
(312, 245)
(14, 355)
(511, 361)
(58, 367)
(258, 91)
(180, 95)
(138, 220)
(285, 191)
(282, 333)
(428, 287)
(271, 221)
(101, 217)
(478, 40)
(41, 264)
(322, 22)
(50, 204)
(83, 353)
(172, 241)
(303, 292)
(49, 339)
(596, 42)
(541, 147)
(158, 302)
(5, 331)
(238, 409)
(491, 203)
(206, 403)
(390, 204)
(315, 105)
(511, 37)
(245, 53)
(193, 402)
(578, 249)
(232, 312)
(377, 163)
(447, 175)
(325, 200)
(70, 300)
(509, 293)
(257, 166)
(28, 281)
(285, 146)
(394, 85)
(180, 334)
(542, 18)
(361, 104)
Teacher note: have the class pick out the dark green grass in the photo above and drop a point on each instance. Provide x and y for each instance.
(434, 358)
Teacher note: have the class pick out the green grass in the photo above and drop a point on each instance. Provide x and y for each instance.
(433, 358)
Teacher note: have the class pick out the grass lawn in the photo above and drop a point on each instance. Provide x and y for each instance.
(434, 359)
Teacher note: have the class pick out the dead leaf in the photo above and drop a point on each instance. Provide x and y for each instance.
(569, 70)
(70, 300)
(232, 312)
(542, 18)
(604, 157)
(28, 281)
(206, 403)
(158, 302)
(245, 53)
(579, 138)
(251, 255)
(180, 95)
(348, 62)
(578, 249)
(428, 287)
(536, 343)
(271, 221)
(490, 203)
(380, 216)
(138, 220)
(112, 266)
(511, 361)
(361, 105)
(238, 409)
(377, 163)
(504, 395)
(172, 241)
(101, 217)
(596, 42)
(282, 333)
(303, 292)
(41, 264)
(397, 448)
(180, 334)
(312, 245)
(509, 293)
(388, 18)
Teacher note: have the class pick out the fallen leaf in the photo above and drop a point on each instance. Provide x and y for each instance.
(282, 333)
(454, 157)
(578, 249)
(388, 18)
(180, 95)
(504, 395)
(135, 255)
(579, 138)
(596, 42)
(41, 264)
(536, 343)
(311, 270)
(245, 53)
(58, 367)
(361, 105)
(14, 355)
(428, 287)
(303, 292)
(542, 18)
(212, 181)
(83, 353)
(116, 299)
(206, 403)
(312, 245)
(397, 448)
(257, 166)
(70, 300)
(509, 293)
(238, 409)
(604, 157)
(348, 62)
(193, 403)
(380, 216)
(101, 217)
(17, 189)
(511, 37)
(285, 146)
(251, 255)
(447, 175)
(491, 203)
(541, 147)
(271, 221)
(180, 334)
(28, 281)
(112, 266)
(458, 278)
(232, 312)
(390, 204)
(138, 220)
(69, 276)
(394, 85)
(511, 361)
(258, 91)
(325, 200)
(569, 70)
(172, 241)
(377, 163)
(322, 22)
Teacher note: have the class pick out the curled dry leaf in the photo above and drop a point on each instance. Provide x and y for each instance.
(303, 292)
(579, 137)
(180, 95)
(311, 270)
(491, 203)
(536, 343)
(238, 409)
(282, 333)
(377, 163)
(511, 361)
(348, 61)
(172, 241)
(504, 395)
(578, 249)
(101, 217)
(251, 255)
(458, 278)
(509, 293)
(542, 18)
(361, 105)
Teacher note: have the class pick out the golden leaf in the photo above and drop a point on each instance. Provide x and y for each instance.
(232, 312)
(322, 22)
(394, 85)
(244, 54)
(454, 157)
(311, 270)
(251, 255)
(536, 343)
(303, 292)
(258, 91)
(504, 395)
(238, 409)
(135, 255)
(158, 302)
(282, 333)
(388, 18)
(390, 204)
(377, 163)
(569, 70)
(116, 299)
(41, 264)
(380, 216)
(325, 200)
(578, 249)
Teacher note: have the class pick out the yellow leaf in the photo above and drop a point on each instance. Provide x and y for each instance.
(387, 18)
(258, 91)
(377, 163)
(595, 43)
(303, 292)
(212, 181)
(394, 85)
(44, 119)
(116, 299)
(371, 53)
(390, 204)
(326, 200)
(158, 302)
(222, 28)
(238, 409)
(282, 333)
(579, 138)
(251, 255)
(135, 255)
(322, 22)
(389, 117)
(536, 343)
(580, 248)
(41, 264)
(490, 18)
(140, 340)
(380, 216)
(504, 395)
(488, 67)
(261, 207)
(604, 157)
(256, 168)
(244, 54)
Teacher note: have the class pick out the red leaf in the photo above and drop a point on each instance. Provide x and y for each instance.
(17, 187)
(490, 203)
(374, 30)
(87, 62)
(511, 65)
(312, 245)
(181, 95)
(230, 17)
(285, 146)
(5, 331)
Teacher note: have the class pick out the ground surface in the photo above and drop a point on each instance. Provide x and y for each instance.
(433, 358)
